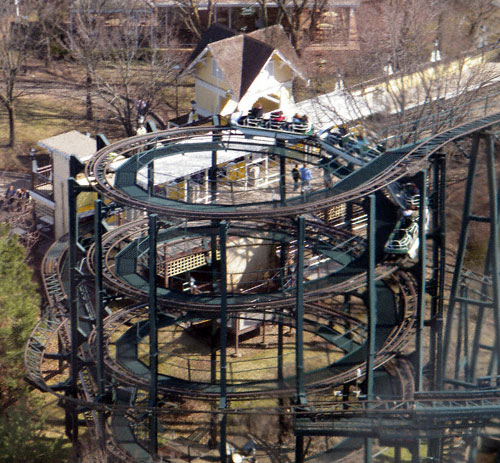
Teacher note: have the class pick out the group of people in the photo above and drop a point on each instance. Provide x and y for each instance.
(12, 195)
(301, 177)
(277, 120)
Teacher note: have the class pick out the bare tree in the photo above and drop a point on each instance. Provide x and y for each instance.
(125, 74)
(476, 14)
(15, 36)
(51, 16)
(195, 18)
(84, 41)
(405, 84)
(299, 18)
(17, 213)
(467, 24)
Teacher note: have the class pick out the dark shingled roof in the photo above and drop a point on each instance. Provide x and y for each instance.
(277, 38)
(214, 33)
(242, 57)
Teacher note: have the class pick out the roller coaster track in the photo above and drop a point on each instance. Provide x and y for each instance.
(380, 172)
(403, 415)
(117, 239)
(390, 344)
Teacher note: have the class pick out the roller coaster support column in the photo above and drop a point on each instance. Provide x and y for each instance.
(212, 177)
(223, 338)
(153, 338)
(372, 315)
(213, 328)
(489, 269)
(99, 295)
(372, 298)
(299, 313)
(212, 173)
(71, 414)
(151, 178)
(438, 270)
(462, 242)
(422, 264)
(493, 255)
(280, 145)
(283, 275)
(438, 234)
(299, 332)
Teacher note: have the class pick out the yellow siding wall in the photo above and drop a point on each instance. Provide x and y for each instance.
(204, 72)
(206, 99)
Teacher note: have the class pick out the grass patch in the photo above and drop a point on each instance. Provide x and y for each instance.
(43, 116)
(37, 117)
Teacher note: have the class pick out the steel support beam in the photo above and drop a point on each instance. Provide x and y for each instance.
(99, 298)
(151, 178)
(462, 242)
(372, 298)
(299, 332)
(223, 226)
(212, 173)
(494, 253)
(153, 337)
(372, 314)
(71, 413)
(422, 267)
(280, 144)
(438, 270)
(299, 313)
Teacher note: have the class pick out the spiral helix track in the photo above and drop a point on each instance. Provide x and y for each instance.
(307, 295)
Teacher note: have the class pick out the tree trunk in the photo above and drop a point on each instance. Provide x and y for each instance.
(47, 58)
(88, 87)
(12, 124)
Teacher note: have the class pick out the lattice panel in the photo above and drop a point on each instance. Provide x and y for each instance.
(333, 213)
(336, 212)
(190, 262)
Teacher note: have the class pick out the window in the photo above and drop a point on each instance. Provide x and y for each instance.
(270, 68)
(216, 72)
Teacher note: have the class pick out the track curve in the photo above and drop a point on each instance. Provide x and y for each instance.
(395, 288)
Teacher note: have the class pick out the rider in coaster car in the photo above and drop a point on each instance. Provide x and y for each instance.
(278, 116)
(257, 111)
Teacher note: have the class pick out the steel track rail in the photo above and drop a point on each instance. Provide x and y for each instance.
(408, 164)
(392, 346)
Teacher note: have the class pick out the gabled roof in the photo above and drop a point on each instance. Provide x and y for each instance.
(242, 57)
(214, 33)
(277, 38)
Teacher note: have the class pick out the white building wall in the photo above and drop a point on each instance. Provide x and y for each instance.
(60, 182)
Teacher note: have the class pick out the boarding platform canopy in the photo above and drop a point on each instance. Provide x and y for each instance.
(72, 143)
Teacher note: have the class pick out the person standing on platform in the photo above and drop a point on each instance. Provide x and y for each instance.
(296, 177)
(305, 177)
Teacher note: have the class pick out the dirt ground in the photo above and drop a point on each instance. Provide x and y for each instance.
(52, 102)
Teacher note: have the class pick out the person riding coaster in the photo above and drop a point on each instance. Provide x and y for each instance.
(277, 121)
